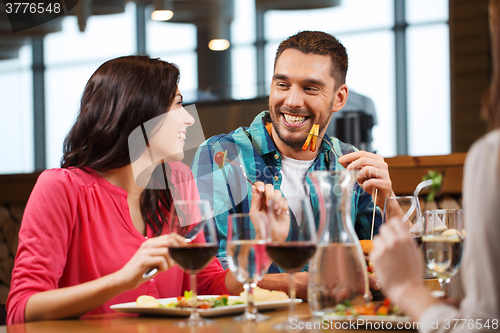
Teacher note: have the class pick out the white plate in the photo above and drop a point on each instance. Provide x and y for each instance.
(386, 319)
(131, 307)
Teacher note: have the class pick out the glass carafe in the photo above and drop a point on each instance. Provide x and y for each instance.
(338, 271)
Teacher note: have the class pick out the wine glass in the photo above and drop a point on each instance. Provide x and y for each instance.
(292, 251)
(193, 219)
(246, 256)
(407, 210)
(443, 243)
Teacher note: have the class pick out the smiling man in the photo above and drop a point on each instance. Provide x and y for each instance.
(308, 86)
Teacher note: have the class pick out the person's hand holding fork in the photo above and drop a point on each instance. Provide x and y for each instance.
(260, 211)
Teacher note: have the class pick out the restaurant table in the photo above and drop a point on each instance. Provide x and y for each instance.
(127, 323)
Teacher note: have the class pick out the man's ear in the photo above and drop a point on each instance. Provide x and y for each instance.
(340, 99)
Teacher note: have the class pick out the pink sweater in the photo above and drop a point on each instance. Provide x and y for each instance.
(77, 228)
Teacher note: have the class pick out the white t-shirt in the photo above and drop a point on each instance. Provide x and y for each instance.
(293, 184)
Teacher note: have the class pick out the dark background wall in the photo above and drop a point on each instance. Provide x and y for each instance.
(470, 69)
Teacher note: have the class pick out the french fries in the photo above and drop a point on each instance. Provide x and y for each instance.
(312, 139)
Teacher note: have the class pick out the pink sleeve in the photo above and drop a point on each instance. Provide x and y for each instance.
(212, 279)
(43, 241)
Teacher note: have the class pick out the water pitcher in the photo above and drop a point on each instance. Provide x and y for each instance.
(337, 272)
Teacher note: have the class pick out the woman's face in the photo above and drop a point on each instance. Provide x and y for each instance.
(167, 143)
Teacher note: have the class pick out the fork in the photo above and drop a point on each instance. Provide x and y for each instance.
(323, 139)
(374, 194)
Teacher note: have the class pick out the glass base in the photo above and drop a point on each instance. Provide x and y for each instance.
(252, 317)
(194, 322)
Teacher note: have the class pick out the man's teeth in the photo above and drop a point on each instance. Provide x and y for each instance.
(181, 136)
(293, 119)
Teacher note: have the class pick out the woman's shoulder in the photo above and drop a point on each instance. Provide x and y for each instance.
(182, 180)
(65, 178)
(181, 171)
(485, 148)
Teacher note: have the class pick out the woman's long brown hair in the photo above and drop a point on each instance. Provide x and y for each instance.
(491, 99)
(121, 95)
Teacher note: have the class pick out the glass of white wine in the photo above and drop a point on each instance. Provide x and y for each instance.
(443, 243)
(407, 210)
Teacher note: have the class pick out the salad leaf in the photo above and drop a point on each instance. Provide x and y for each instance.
(188, 294)
(437, 182)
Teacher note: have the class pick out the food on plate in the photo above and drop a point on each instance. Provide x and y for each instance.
(367, 246)
(264, 295)
(187, 301)
(312, 139)
(375, 308)
(146, 301)
(454, 232)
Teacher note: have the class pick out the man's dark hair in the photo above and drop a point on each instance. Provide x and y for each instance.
(318, 42)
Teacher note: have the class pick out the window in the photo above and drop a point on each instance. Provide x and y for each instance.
(71, 57)
(16, 112)
(175, 42)
(243, 52)
(429, 128)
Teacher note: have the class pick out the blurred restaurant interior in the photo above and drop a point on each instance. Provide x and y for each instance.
(421, 66)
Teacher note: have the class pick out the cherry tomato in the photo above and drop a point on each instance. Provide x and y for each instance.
(219, 158)
(383, 311)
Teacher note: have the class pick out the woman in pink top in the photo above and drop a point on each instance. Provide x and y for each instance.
(88, 231)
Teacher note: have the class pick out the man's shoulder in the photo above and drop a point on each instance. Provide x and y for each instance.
(227, 137)
(344, 148)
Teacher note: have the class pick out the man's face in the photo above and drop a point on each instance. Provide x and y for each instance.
(302, 94)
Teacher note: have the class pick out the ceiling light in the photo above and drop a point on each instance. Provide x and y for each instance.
(162, 15)
(218, 44)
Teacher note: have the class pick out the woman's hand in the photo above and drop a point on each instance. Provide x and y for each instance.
(373, 173)
(260, 213)
(279, 216)
(153, 253)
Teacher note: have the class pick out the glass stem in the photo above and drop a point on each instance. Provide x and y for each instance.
(249, 290)
(292, 314)
(194, 309)
(443, 282)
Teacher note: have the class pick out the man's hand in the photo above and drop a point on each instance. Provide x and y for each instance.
(373, 173)
(280, 281)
